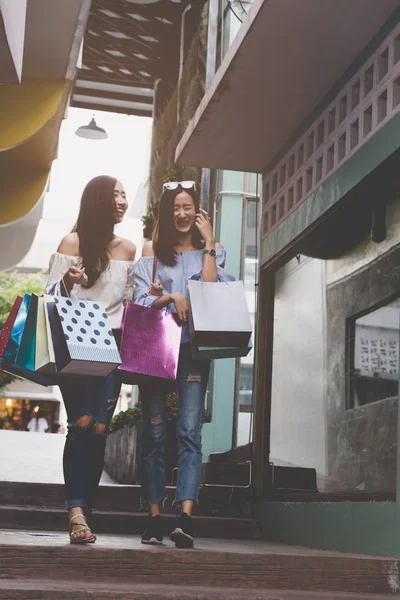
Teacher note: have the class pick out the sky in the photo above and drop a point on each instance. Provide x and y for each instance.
(124, 155)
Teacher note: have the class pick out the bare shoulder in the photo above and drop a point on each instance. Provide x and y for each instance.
(148, 249)
(218, 245)
(123, 249)
(69, 245)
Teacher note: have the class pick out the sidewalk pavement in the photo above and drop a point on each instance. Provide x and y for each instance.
(34, 457)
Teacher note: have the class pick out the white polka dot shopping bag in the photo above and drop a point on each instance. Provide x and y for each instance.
(83, 340)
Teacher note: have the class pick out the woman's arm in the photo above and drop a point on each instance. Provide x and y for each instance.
(209, 271)
(63, 273)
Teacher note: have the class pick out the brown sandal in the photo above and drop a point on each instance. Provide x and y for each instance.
(84, 528)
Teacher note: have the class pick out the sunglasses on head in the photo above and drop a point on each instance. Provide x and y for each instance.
(185, 185)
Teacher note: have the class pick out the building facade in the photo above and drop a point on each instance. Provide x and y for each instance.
(319, 120)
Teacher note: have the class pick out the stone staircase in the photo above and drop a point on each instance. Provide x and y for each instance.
(230, 561)
(39, 506)
(43, 565)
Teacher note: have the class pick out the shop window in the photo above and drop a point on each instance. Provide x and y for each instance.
(355, 94)
(266, 193)
(310, 145)
(290, 198)
(291, 165)
(367, 120)
(309, 179)
(319, 169)
(265, 222)
(300, 156)
(299, 189)
(275, 184)
(281, 207)
(396, 56)
(320, 133)
(342, 109)
(330, 158)
(382, 106)
(354, 134)
(342, 147)
(282, 175)
(273, 215)
(369, 80)
(374, 355)
(396, 92)
(331, 120)
(383, 63)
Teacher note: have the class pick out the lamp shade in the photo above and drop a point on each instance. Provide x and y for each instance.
(91, 131)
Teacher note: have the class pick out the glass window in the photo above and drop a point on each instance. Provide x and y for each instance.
(244, 401)
(374, 339)
(335, 371)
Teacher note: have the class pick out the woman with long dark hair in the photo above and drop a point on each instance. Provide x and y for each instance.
(184, 247)
(92, 262)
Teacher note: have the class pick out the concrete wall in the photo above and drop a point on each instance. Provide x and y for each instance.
(363, 440)
(298, 433)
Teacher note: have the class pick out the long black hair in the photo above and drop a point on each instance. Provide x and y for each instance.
(165, 233)
(95, 226)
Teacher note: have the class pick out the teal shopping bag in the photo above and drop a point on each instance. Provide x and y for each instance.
(26, 353)
(215, 352)
(11, 354)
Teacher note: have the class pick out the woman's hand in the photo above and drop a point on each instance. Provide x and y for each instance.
(181, 306)
(204, 226)
(77, 276)
(156, 288)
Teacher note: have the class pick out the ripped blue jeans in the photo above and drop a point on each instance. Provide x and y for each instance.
(84, 450)
(192, 381)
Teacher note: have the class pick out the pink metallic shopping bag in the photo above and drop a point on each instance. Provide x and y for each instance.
(150, 344)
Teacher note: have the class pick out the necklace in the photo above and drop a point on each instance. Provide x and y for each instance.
(182, 248)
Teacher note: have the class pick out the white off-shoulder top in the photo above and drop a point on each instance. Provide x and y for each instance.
(113, 288)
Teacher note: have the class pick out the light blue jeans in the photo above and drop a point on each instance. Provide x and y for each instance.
(192, 381)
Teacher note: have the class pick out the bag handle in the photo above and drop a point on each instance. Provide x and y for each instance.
(154, 268)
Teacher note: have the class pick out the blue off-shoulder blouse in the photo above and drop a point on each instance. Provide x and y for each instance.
(174, 279)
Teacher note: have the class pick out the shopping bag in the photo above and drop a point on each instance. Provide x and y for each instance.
(82, 337)
(12, 352)
(6, 331)
(218, 314)
(26, 352)
(150, 344)
(215, 352)
(45, 361)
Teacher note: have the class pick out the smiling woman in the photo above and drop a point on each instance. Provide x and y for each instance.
(92, 257)
(183, 248)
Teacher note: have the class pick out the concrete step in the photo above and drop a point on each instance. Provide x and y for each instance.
(118, 522)
(31, 589)
(217, 500)
(246, 566)
(52, 495)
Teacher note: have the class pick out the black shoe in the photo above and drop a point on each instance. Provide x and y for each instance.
(183, 534)
(153, 534)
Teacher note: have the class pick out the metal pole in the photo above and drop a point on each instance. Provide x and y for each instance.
(211, 64)
(181, 62)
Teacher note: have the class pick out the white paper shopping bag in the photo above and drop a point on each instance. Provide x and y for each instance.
(218, 314)
(45, 360)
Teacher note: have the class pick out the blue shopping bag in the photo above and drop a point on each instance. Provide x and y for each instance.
(17, 358)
